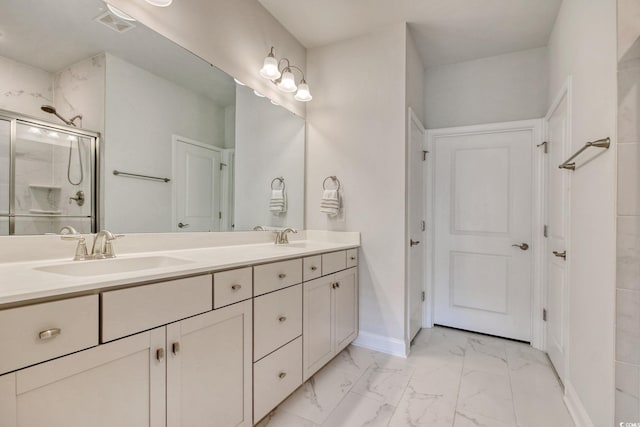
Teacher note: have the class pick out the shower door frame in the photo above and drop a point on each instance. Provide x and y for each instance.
(14, 118)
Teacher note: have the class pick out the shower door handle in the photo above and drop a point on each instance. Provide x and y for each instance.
(181, 225)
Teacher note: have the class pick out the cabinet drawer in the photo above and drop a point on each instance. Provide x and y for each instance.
(311, 268)
(128, 311)
(352, 258)
(40, 332)
(278, 275)
(232, 286)
(275, 377)
(277, 319)
(333, 261)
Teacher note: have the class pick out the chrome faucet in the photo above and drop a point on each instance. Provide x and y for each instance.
(102, 242)
(282, 237)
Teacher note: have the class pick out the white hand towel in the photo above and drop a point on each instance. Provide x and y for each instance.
(278, 201)
(330, 203)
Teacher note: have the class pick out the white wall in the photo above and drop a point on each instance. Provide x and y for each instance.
(416, 80)
(583, 45)
(24, 88)
(142, 112)
(234, 35)
(496, 89)
(269, 144)
(356, 131)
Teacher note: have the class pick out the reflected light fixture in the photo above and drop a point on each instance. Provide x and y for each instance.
(280, 72)
(238, 82)
(160, 3)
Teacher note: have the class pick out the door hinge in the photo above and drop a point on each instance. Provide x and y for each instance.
(222, 165)
(422, 295)
(423, 225)
(545, 231)
(424, 155)
(219, 215)
(544, 314)
(545, 146)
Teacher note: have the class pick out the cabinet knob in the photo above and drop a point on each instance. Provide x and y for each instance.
(337, 284)
(49, 333)
(160, 354)
(175, 348)
(282, 319)
(314, 268)
(352, 258)
(236, 287)
(282, 275)
(281, 375)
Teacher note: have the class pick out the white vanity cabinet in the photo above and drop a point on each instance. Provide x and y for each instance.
(117, 384)
(330, 321)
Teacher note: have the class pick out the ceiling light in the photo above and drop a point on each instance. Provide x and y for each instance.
(160, 3)
(280, 72)
(120, 14)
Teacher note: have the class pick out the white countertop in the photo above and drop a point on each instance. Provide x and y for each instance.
(22, 282)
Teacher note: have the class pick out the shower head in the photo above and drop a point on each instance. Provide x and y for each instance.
(52, 110)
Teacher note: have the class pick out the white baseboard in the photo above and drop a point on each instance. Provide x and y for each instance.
(392, 346)
(575, 406)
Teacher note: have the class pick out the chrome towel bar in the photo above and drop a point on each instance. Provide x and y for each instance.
(600, 143)
(135, 175)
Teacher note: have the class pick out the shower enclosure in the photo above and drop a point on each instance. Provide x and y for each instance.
(47, 176)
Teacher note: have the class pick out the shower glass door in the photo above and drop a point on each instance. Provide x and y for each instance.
(53, 180)
(5, 156)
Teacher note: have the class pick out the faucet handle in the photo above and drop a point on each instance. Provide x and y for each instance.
(108, 246)
(81, 249)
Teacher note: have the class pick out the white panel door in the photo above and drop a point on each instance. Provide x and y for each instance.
(557, 216)
(483, 207)
(415, 237)
(197, 188)
(209, 369)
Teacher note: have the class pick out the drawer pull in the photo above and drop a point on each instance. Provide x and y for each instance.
(352, 258)
(160, 354)
(281, 375)
(282, 319)
(337, 285)
(49, 333)
(282, 275)
(314, 268)
(333, 285)
(236, 287)
(175, 348)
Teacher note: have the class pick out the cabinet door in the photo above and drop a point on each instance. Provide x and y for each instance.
(209, 369)
(345, 297)
(317, 324)
(116, 384)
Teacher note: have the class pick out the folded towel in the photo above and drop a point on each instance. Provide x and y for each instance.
(278, 202)
(330, 203)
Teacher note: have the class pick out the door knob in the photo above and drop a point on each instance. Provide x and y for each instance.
(181, 225)
(562, 254)
(522, 246)
(414, 242)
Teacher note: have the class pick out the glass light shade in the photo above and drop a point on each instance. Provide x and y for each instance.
(120, 14)
(287, 82)
(269, 69)
(303, 93)
(160, 3)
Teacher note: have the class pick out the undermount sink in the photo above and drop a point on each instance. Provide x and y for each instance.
(301, 245)
(112, 266)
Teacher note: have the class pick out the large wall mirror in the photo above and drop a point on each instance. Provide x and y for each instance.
(179, 145)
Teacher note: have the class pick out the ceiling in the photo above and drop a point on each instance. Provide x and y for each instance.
(52, 35)
(446, 31)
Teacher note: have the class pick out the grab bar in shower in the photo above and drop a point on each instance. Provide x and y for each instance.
(135, 175)
(600, 143)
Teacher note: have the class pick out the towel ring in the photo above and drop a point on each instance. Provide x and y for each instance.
(334, 179)
(279, 178)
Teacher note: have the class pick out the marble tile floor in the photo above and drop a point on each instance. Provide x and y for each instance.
(452, 378)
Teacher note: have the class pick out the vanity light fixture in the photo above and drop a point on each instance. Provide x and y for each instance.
(160, 3)
(280, 72)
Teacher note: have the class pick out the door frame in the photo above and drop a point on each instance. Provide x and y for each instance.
(413, 117)
(175, 140)
(565, 92)
(536, 126)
